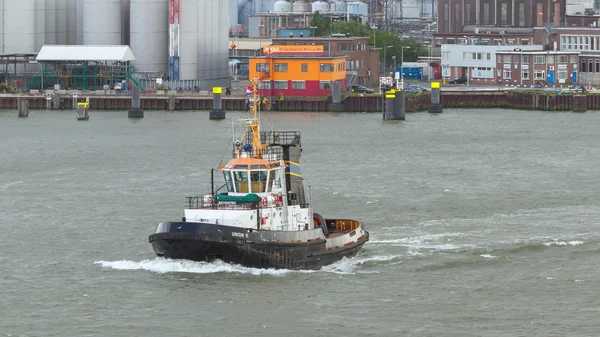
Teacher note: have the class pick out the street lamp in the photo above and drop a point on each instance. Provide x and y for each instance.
(385, 59)
(313, 30)
(402, 65)
(394, 71)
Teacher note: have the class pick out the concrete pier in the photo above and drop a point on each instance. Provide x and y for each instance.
(390, 106)
(400, 105)
(135, 111)
(435, 106)
(23, 107)
(336, 98)
(217, 111)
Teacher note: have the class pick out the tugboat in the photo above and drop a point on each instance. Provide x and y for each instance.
(260, 217)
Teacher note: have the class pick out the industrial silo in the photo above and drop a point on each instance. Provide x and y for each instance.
(188, 39)
(282, 6)
(300, 6)
(61, 22)
(40, 24)
(79, 22)
(213, 50)
(359, 8)
(102, 22)
(320, 6)
(19, 20)
(50, 22)
(149, 35)
(233, 13)
(71, 22)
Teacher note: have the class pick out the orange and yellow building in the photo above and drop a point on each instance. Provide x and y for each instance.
(297, 71)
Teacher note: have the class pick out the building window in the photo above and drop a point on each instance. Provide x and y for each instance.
(504, 11)
(525, 59)
(457, 17)
(262, 67)
(486, 14)
(598, 66)
(325, 85)
(446, 18)
(482, 73)
(488, 56)
(590, 67)
(304, 67)
(539, 75)
(521, 15)
(562, 59)
(264, 85)
(573, 59)
(550, 59)
(562, 74)
(450, 41)
(281, 67)
(281, 84)
(507, 58)
(326, 67)
(525, 75)
(506, 74)
(583, 63)
(468, 14)
(516, 59)
(298, 85)
(341, 46)
(538, 59)
(445, 54)
(466, 55)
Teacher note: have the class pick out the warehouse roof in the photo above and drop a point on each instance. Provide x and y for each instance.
(85, 53)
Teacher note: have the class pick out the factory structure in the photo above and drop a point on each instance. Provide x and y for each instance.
(268, 18)
(184, 43)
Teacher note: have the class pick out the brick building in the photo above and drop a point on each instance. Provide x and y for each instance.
(361, 59)
(526, 68)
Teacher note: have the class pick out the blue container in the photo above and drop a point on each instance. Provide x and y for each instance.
(415, 73)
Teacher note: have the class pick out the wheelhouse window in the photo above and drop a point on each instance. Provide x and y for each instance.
(270, 185)
(241, 181)
(258, 181)
(228, 181)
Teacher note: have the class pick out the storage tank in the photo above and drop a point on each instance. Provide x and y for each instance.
(408, 9)
(320, 6)
(282, 6)
(149, 35)
(300, 6)
(338, 7)
(79, 22)
(50, 22)
(40, 24)
(188, 39)
(19, 21)
(359, 8)
(102, 22)
(71, 22)
(213, 43)
(61, 22)
(233, 13)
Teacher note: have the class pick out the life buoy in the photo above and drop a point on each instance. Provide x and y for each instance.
(264, 220)
(264, 202)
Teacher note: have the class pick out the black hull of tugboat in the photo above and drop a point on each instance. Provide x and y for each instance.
(206, 242)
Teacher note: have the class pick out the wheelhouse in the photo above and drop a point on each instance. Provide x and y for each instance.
(252, 175)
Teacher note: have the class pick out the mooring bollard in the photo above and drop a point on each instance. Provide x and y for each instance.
(435, 106)
(82, 111)
(400, 105)
(135, 111)
(217, 111)
(390, 110)
(23, 107)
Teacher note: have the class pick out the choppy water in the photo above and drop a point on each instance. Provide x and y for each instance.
(483, 223)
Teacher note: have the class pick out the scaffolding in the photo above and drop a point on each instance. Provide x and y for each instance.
(17, 70)
(81, 75)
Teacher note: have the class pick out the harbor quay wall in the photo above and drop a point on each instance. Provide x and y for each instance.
(371, 103)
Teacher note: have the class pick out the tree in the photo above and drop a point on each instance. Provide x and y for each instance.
(322, 25)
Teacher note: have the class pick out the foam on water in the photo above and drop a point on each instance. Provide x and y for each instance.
(563, 243)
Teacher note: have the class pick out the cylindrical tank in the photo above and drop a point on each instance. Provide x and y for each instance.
(320, 6)
(282, 6)
(233, 13)
(358, 8)
(71, 21)
(188, 39)
(149, 35)
(409, 9)
(40, 24)
(19, 20)
(213, 44)
(61, 22)
(102, 22)
(50, 22)
(338, 7)
(79, 22)
(300, 6)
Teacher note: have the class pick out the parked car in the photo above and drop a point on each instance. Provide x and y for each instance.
(460, 80)
(362, 89)
(418, 87)
(412, 90)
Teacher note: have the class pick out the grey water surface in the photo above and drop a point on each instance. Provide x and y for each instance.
(483, 223)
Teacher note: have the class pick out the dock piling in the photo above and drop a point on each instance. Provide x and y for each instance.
(389, 107)
(135, 111)
(23, 107)
(435, 106)
(217, 111)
